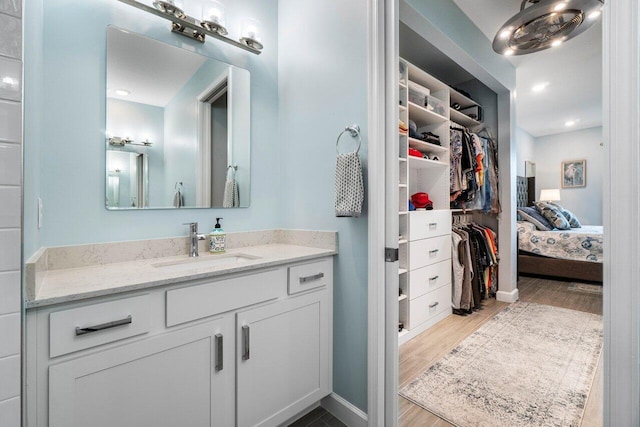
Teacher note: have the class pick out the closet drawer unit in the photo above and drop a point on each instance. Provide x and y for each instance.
(429, 251)
(427, 306)
(93, 325)
(426, 279)
(310, 276)
(426, 224)
(200, 301)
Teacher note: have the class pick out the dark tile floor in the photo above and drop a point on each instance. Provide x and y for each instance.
(319, 417)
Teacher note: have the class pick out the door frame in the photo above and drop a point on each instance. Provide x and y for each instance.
(621, 104)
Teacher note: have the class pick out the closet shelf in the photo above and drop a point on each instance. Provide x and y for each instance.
(426, 146)
(402, 84)
(463, 119)
(402, 185)
(424, 117)
(402, 297)
(403, 241)
(418, 163)
(402, 159)
(403, 212)
(402, 108)
(402, 333)
(425, 79)
(463, 100)
(402, 271)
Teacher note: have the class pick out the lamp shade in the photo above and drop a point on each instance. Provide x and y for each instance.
(550, 195)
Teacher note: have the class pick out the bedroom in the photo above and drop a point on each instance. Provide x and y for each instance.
(558, 125)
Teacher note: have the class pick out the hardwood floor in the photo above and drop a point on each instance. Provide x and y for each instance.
(421, 352)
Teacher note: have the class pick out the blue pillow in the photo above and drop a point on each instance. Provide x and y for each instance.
(531, 215)
(553, 215)
(573, 220)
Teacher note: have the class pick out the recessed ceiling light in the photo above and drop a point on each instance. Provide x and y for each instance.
(508, 52)
(539, 87)
(560, 6)
(556, 43)
(122, 92)
(570, 123)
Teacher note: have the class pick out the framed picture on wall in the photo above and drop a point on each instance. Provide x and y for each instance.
(574, 174)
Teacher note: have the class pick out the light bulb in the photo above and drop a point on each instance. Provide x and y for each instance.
(560, 6)
(508, 52)
(556, 43)
(251, 29)
(213, 11)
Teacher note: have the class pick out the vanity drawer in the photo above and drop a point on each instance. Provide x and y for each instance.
(429, 251)
(426, 224)
(200, 301)
(429, 305)
(92, 325)
(310, 276)
(426, 279)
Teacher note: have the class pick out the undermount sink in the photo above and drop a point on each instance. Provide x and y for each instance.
(203, 262)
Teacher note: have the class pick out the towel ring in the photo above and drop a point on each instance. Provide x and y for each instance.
(354, 130)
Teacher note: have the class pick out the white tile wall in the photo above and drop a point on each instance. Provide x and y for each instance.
(9, 293)
(10, 210)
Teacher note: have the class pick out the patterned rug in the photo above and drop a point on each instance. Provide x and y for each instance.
(585, 288)
(531, 365)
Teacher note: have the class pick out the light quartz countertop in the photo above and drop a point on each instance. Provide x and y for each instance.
(54, 285)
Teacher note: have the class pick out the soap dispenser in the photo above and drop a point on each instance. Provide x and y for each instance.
(217, 239)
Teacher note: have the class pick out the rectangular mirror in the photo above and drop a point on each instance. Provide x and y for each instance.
(177, 128)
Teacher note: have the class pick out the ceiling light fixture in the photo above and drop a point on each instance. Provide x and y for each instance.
(544, 24)
(212, 22)
(540, 87)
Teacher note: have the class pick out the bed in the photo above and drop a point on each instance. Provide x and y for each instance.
(574, 254)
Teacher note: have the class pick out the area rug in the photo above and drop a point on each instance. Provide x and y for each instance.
(531, 365)
(585, 288)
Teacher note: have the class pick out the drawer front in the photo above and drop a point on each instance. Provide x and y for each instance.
(429, 251)
(426, 224)
(92, 325)
(426, 279)
(200, 301)
(429, 305)
(310, 276)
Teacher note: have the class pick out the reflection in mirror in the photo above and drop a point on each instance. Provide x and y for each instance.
(178, 127)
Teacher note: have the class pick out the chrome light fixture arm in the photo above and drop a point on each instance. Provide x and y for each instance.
(191, 27)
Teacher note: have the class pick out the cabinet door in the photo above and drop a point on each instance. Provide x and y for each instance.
(283, 363)
(173, 379)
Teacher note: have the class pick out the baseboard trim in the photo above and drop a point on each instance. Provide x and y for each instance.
(512, 296)
(344, 411)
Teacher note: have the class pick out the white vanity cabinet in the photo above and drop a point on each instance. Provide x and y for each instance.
(260, 362)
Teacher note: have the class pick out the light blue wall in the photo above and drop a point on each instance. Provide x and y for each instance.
(323, 88)
(71, 113)
(139, 122)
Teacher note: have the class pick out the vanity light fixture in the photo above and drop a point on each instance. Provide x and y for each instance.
(212, 23)
(117, 141)
(542, 24)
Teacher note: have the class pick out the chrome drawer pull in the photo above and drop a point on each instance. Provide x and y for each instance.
(431, 279)
(433, 225)
(310, 278)
(246, 355)
(219, 352)
(433, 252)
(434, 304)
(103, 326)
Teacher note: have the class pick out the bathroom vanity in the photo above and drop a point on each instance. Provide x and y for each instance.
(244, 339)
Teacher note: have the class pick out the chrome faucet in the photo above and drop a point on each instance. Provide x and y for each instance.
(193, 238)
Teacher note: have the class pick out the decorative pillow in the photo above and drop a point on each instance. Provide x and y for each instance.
(573, 220)
(531, 215)
(553, 215)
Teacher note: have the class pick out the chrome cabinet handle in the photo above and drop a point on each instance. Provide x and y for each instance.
(246, 355)
(434, 304)
(219, 352)
(310, 278)
(103, 326)
(433, 252)
(431, 279)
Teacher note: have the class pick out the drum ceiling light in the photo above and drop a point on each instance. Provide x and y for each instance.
(545, 24)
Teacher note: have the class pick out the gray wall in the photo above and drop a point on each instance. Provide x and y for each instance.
(10, 210)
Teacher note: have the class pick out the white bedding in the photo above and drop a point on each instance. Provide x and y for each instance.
(578, 244)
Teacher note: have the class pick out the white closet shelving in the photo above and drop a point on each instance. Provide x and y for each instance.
(425, 236)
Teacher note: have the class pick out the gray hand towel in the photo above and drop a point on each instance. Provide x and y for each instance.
(178, 199)
(349, 187)
(231, 198)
